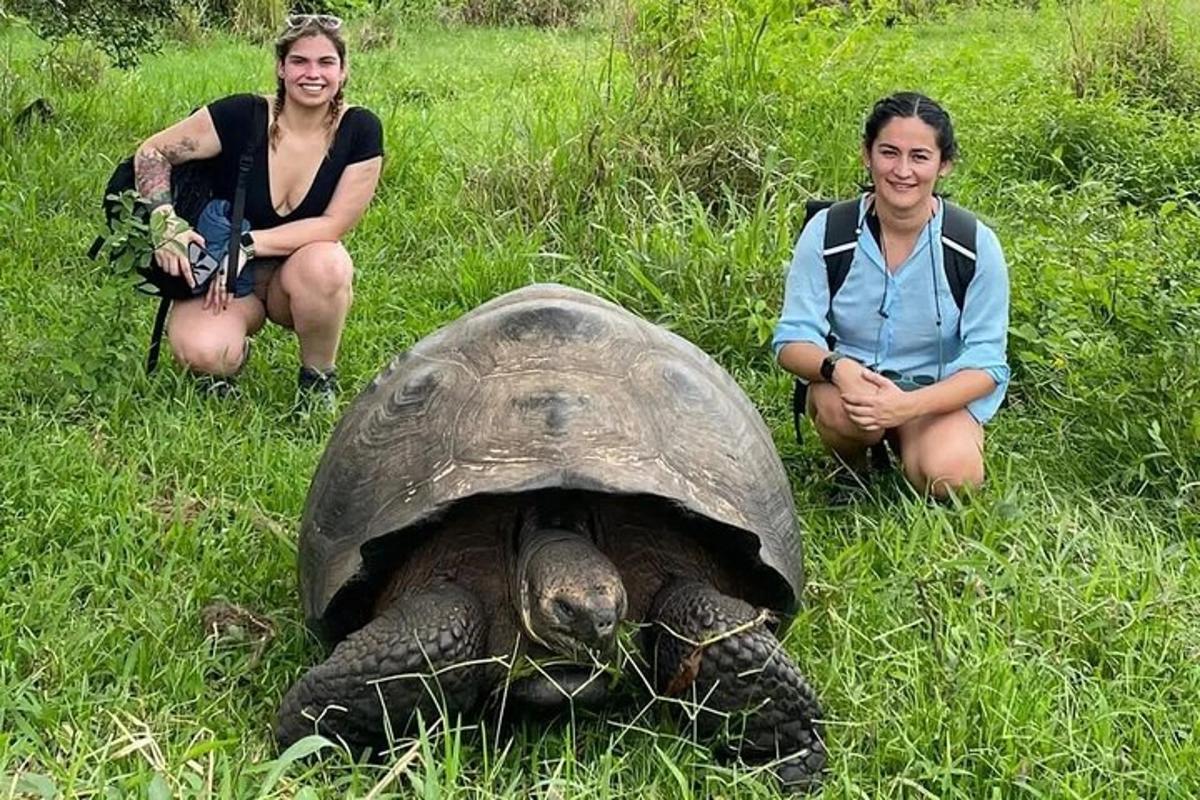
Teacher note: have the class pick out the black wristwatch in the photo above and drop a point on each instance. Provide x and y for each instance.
(827, 365)
(248, 245)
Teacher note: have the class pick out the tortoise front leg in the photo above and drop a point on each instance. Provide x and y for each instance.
(359, 689)
(713, 650)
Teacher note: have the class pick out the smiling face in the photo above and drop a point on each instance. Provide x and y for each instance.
(312, 72)
(905, 162)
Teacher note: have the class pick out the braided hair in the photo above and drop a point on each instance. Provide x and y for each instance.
(335, 111)
(277, 109)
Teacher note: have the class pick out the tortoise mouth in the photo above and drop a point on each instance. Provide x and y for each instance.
(560, 685)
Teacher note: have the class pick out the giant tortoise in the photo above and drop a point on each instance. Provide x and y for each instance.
(518, 487)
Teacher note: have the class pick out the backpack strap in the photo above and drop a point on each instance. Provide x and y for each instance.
(841, 239)
(232, 252)
(160, 322)
(799, 406)
(958, 250)
(812, 208)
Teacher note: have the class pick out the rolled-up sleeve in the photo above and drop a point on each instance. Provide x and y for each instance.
(805, 315)
(984, 327)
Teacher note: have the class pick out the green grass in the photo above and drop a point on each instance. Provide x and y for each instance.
(1042, 640)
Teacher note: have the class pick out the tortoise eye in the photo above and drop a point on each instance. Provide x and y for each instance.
(563, 610)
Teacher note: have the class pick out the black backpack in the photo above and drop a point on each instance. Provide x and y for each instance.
(191, 189)
(841, 240)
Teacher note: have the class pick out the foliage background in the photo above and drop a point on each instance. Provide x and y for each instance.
(1041, 639)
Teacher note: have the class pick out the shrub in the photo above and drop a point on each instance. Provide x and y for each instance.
(1145, 158)
(191, 22)
(74, 63)
(539, 13)
(123, 29)
(1141, 58)
(261, 18)
(347, 9)
(380, 28)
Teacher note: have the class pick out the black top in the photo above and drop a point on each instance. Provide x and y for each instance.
(359, 136)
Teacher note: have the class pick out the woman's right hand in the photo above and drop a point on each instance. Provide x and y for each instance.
(849, 376)
(171, 252)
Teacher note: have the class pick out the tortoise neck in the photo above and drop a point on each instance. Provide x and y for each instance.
(550, 522)
(564, 514)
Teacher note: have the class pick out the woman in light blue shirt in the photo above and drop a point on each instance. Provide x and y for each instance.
(906, 363)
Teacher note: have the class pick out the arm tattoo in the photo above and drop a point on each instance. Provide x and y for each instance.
(179, 153)
(152, 176)
(152, 169)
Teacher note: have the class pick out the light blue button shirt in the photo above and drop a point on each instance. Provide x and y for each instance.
(906, 339)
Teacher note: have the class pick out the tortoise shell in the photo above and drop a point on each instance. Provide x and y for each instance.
(544, 387)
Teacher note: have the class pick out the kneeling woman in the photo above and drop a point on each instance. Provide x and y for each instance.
(891, 353)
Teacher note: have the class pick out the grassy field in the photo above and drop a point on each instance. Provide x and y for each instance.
(1042, 640)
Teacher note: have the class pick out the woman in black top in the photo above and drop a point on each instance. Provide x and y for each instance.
(315, 168)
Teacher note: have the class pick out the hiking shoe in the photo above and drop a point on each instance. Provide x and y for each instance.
(846, 487)
(880, 458)
(218, 386)
(316, 390)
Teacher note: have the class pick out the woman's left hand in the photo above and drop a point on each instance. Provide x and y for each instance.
(888, 406)
(217, 297)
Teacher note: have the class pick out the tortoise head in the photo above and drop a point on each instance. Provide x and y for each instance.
(570, 595)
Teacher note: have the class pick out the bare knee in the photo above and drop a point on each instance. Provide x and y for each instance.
(835, 426)
(318, 270)
(944, 469)
(209, 355)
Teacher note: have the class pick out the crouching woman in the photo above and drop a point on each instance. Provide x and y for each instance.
(891, 355)
(315, 165)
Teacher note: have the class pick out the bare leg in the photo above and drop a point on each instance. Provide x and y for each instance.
(311, 293)
(838, 432)
(213, 344)
(942, 452)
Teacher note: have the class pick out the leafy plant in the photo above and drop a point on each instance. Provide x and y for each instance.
(124, 29)
(132, 235)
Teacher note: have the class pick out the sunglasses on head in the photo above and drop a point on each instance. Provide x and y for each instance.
(326, 22)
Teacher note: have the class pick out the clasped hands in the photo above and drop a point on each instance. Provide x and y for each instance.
(872, 402)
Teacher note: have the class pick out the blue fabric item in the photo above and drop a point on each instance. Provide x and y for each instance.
(906, 339)
(213, 225)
